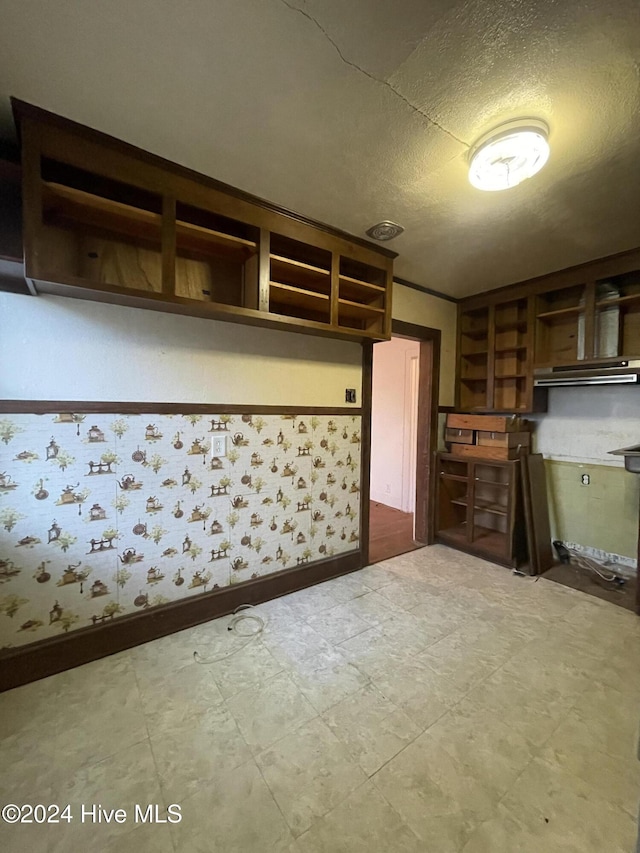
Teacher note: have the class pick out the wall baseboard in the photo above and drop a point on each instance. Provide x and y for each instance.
(41, 659)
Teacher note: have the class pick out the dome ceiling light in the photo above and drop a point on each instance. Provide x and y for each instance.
(509, 154)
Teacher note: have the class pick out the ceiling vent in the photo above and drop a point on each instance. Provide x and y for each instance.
(385, 230)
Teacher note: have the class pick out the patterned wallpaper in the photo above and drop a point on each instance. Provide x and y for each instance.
(104, 515)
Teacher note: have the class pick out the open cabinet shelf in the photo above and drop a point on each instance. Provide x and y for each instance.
(105, 221)
(478, 508)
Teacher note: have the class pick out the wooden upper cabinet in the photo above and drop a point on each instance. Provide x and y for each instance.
(596, 321)
(495, 353)
(103, 220)
(579, 316)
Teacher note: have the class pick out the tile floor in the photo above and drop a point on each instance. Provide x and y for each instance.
(434, 703)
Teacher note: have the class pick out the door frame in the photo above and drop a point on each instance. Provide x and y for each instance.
(427, 430)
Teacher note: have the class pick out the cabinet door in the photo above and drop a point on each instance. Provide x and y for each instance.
(490, 508)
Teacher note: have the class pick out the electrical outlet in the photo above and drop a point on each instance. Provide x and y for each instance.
(586, 479)
(387, 489)
(350, 395)
(219, 445)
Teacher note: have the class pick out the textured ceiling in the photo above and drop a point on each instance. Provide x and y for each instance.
(357, 111)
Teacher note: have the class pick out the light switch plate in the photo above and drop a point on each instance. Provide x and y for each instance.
(219, 445)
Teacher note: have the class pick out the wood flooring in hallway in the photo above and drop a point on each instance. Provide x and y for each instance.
(390, 532)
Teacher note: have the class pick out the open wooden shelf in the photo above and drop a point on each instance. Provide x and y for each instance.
(485, 506)
(67, 204)
(621, 300)
(76, 206)
(519, 348)
(356, 285)
(285, 294)
(104, 221)
(347, 308)
(558, 312)
(207, 240)
(306, 275)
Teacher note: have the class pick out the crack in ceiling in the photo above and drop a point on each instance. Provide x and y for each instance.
(384, 83)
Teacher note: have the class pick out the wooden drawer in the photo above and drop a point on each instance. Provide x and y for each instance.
(486, 423)
(503, 439)
(460, 436)
(494, 454)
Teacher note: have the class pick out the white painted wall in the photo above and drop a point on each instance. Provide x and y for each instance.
(55, 348)
(392, 441)
(583, 424)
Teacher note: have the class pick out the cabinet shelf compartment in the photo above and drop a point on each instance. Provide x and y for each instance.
(560, 326)
(91, 238)
(473, 368)
(215, 258)
(365, 318)
(474, 324)
(307, 276)
(299, 280)
(473, 393)
(617, 318)
(295, 302)
(491, 539)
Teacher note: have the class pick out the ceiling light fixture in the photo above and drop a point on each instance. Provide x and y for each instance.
(509, 154)
(385, 230)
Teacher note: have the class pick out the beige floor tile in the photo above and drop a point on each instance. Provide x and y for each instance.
(528, 702)
(602, 719)
(168, 694)
(493, 668)
(327, 678)
(505, 832)
(338, 624)
(483, 746)
(617, 779)
(575, 811)
(375, 647)
(270, 710)
(86, 714)
(195, 749)
(435, 795)
(248, 666)
(421, 693)
(461, 662)
(234, 814)
(311, 601)
(372, 728)
(407, 592)
(376, 576)
(309, 773)
(363, 823)
(347, 587)
(148, 838)
(294, 641)
(373, 608)
(123, 780)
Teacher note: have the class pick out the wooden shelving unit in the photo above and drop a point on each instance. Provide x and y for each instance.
(495, 358)
(478, 508)
(105, 221)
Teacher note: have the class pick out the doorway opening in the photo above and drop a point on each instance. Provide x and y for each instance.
(404, 411)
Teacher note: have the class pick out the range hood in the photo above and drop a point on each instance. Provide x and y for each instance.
(610, 372)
